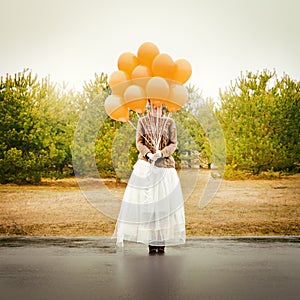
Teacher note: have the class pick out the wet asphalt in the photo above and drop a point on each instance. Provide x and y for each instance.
(204, 268)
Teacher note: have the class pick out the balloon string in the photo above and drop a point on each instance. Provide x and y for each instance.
(150, 134)
(140, 132)
(152, 129)
(157, 125)
(162, 128)
(151, 122)
(156, 147)
(152, 142)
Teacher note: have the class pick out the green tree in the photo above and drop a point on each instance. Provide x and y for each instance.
(22, 157)
(58, 116)
(94, 132)
(124, 152)
(260, 117)
(37, 125)
(199, 133)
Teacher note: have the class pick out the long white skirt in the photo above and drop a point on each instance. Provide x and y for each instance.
(152, 210)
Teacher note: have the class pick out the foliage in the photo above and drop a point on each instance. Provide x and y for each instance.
(200, 137)
(35, 137)
(91, 147)
(50, 131)
(123, 151)
(260, 115)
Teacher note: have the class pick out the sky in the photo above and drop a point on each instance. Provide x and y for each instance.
(71, 40)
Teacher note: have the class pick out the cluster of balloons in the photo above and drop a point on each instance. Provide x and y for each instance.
(148, 75)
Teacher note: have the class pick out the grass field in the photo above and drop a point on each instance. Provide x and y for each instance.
(239, 208)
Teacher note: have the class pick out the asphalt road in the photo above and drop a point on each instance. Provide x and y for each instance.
(203, 268)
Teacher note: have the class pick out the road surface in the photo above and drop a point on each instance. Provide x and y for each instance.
(204, 268)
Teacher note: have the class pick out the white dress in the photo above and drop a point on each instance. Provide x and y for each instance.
(152, 209)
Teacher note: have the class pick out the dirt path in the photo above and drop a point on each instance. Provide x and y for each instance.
(59, 208)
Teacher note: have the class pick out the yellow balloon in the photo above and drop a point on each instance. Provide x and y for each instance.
(135, 98)
(115, 109)
(140, 75)
(141, 72)
(177, 98)
(127, 62)
(146, 53)
(163, 66)
(183, 71)
(118, 82)
(157, 90)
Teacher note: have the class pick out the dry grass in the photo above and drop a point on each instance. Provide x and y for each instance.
(250, 207)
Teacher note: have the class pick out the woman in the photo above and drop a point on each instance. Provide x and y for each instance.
(152, 210)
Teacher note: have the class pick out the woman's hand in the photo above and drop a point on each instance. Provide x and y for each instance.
(157, 154)
(154, 156)
(151, 156)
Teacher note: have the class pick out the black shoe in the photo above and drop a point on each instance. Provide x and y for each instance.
(161, 249)
(152, 249)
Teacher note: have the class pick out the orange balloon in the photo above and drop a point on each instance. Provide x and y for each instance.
(127, 62)
(118, 82)
(178, 96)
(141, 72)
(157, 90)
(172, 107)
(140, 75)
(115, 109)
(146, 53)
(163, 66)
(183, 70)
(135, 98)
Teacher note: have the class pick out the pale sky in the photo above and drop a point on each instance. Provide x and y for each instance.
(70, 40)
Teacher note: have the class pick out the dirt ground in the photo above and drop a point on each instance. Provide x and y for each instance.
(238, 208)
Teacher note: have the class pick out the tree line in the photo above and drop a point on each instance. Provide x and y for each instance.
(260, 115)
(50, 131)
